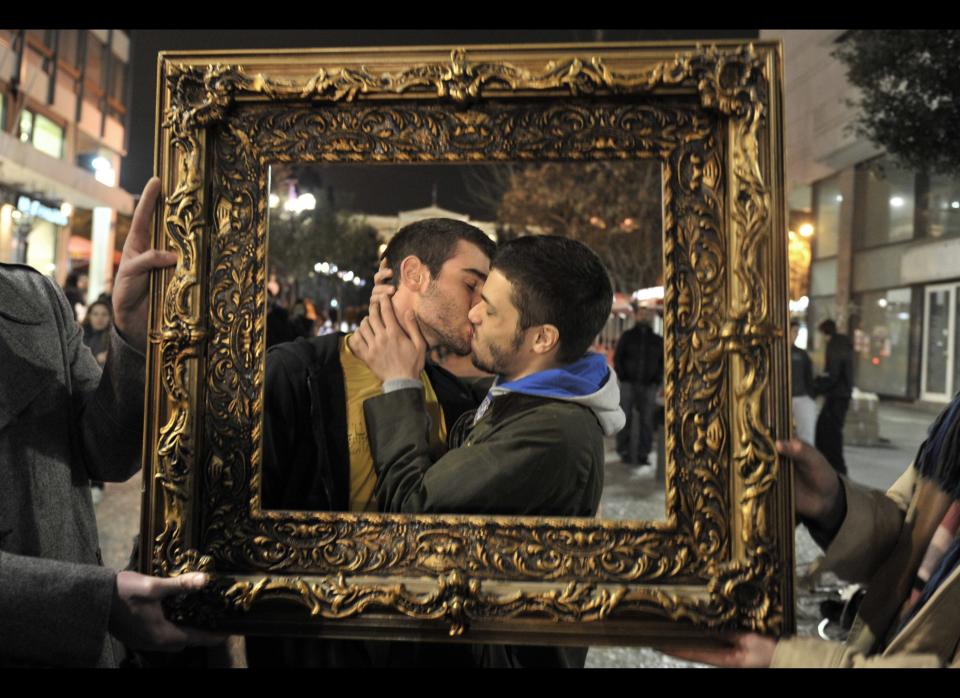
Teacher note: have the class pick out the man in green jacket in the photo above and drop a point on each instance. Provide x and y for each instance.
(535, 445)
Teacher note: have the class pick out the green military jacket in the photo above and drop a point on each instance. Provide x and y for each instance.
(527, 456)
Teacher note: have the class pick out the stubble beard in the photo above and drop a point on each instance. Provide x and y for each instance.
(499, 359)
(438, 332)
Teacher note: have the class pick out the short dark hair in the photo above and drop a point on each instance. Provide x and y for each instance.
(561, 282)
(828, 327)
(433, 241)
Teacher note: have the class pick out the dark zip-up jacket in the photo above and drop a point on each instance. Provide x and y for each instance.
(306, 466)
(306, 459)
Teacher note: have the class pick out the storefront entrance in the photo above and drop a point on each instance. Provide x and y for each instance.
(940, 377)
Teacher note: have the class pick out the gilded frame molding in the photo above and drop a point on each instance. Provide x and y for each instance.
(721, 559)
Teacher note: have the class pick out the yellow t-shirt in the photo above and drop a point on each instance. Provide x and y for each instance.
(360, 384)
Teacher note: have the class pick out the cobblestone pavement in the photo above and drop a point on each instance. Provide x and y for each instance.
(631, 494)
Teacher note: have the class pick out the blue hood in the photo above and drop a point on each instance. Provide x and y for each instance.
(586, 381)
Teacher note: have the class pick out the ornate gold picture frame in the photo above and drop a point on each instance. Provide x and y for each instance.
(722, 556)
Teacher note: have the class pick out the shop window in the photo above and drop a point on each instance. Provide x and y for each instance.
(828, 202)
(881, 341)
(69, 47)
(888, 204)
(118, 79)
(93, 71)
(45, 135)
(943, 207)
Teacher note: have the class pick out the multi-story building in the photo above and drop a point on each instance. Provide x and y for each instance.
(886, 241)
(63, 106)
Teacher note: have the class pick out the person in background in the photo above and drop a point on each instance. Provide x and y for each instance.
(301, 324)
(836, 386)
(802, 388)
(75, 289)
(638, 362)
(96, 329)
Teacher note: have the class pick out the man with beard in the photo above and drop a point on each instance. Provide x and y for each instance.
(535, 446)
(316, 455)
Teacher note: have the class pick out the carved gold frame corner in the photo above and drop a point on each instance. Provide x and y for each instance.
(722, 558)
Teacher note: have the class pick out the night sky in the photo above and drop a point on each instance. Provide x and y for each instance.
(382, 191)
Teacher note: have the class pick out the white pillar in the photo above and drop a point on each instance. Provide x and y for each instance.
(101, 253)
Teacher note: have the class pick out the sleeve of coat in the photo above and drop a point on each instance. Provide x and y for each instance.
(813, 653)
(870, 529)
(108, 404)
(513, 471)
(73, 601)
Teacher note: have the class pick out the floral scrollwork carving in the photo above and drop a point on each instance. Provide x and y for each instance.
(717, 227)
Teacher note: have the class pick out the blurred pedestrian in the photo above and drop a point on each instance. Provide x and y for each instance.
(802, 388)
(638, 362)
(96, 329)
(279, 325)
(836, 386)
(301, 324)
(75, 289)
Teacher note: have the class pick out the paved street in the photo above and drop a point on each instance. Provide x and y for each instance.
(630, 494)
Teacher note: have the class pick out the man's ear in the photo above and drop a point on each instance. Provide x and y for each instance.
(414, 275)
(546, 339)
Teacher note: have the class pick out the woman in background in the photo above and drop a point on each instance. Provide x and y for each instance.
(96, 329)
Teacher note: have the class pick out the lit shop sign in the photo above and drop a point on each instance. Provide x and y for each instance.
(38, 210)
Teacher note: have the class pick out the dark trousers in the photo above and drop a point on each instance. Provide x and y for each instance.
(829, 437)
(636, 438)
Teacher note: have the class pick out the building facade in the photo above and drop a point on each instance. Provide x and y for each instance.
(886, 241)
(63, 105)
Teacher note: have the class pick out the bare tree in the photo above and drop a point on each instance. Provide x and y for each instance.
(614, 207)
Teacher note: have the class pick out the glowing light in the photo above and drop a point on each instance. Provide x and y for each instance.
(333, 303)
(955, 204)
(882, 302)
(839, 198)
(896, 201)
(274, 201)
(66, 209)
(348, 276)
(875, 360)
(806, 230)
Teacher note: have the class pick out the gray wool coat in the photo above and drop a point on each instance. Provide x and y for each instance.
(61, 425)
